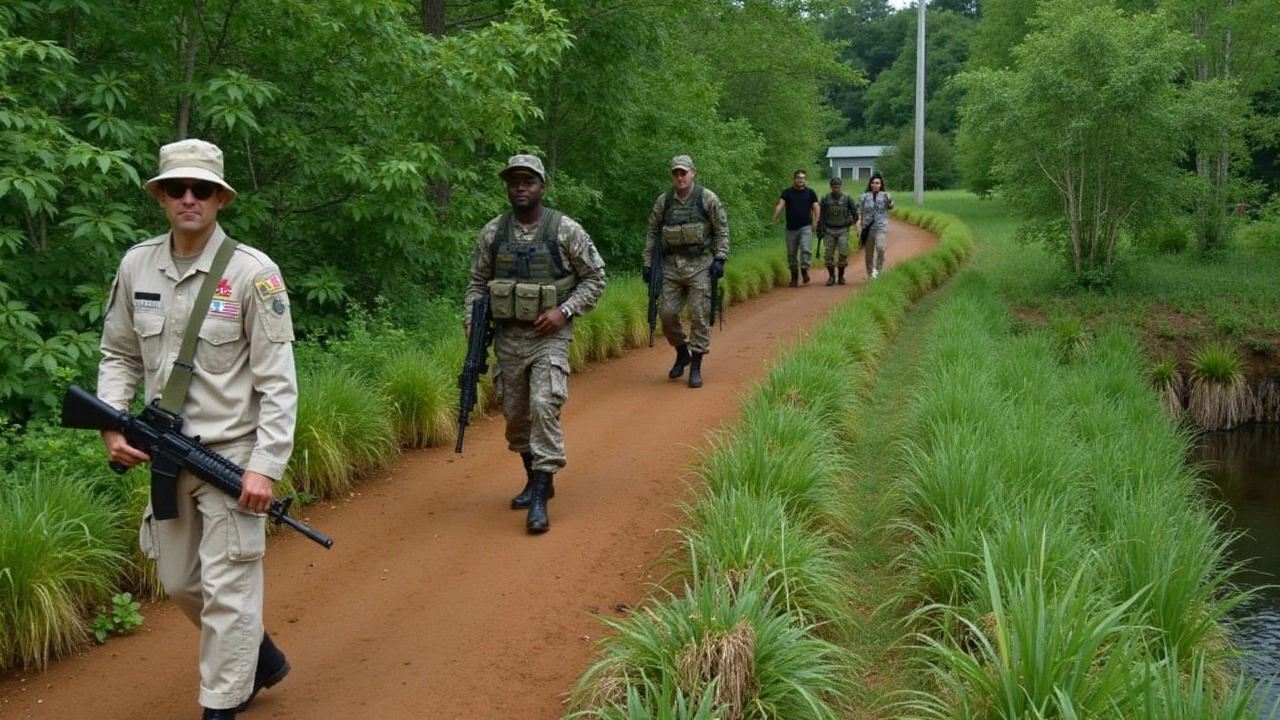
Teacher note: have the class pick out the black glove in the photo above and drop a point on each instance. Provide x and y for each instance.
(716, 271)
(647, 274)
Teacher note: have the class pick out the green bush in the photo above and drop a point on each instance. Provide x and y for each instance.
(62, 549)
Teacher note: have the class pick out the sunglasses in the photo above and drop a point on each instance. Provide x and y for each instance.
(176, 189)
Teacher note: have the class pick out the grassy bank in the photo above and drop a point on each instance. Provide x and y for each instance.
(753, 619)
(960, 514)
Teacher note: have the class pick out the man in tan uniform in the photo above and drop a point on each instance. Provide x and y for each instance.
(691, 224)
(242, 402)
(540, 270)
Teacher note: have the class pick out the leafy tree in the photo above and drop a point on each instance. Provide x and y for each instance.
(897, 164)
(890, 100)
(328, 113)
(873, 35)
(1089, 149)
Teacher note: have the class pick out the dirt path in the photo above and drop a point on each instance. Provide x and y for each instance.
(434, 603)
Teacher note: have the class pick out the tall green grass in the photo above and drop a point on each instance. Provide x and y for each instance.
(344, 428)
(761, 531)
(1063, 550)
(737, 635)
(59, 553)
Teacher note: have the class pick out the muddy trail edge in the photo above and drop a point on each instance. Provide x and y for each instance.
(434, 602)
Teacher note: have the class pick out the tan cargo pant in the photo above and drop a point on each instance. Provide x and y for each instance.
(209, 560)
(531, 382)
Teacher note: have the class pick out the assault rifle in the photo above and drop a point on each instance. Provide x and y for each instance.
(475, 365)
(655, 286)
(158, 433)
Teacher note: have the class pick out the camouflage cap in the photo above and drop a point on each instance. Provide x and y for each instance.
(526, 162)
(836, 181)
(682, 162)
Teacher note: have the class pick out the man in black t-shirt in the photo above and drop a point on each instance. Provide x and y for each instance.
(803, 214)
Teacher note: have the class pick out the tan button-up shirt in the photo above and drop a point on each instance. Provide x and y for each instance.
(244, 385)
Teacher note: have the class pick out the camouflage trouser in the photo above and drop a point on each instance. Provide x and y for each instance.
(875, 251)
(682, 284)
(531, 382)
(798, 244)
(837, 238)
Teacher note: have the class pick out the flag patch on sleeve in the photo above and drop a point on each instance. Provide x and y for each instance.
(269, 285)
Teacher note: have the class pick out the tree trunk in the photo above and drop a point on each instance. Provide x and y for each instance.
(433, 24)
(190, 51)
(433, 16)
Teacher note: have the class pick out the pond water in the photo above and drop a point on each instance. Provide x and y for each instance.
(1244, 466)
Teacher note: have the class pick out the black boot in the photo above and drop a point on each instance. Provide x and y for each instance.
(273, 666)
(795, 277)
(538, 522)
(831, 275)
(841, 279)
(224, 714)
(695, 371)
(804, 275)
(682, 361)
(521, 501)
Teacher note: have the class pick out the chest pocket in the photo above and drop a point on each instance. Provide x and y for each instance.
(149, 327)
(219, 345)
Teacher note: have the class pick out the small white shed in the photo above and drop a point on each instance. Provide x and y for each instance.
(854, 162)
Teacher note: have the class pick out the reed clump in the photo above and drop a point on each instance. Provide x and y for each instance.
(1219, 398)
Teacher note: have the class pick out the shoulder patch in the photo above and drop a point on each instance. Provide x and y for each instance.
(269, 285)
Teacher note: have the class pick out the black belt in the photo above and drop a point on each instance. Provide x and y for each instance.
(838, 227)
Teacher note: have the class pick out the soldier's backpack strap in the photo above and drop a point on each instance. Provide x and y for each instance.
(175, 390)
(548, 232)
(697, 199)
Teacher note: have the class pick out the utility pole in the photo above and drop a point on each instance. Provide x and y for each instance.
(919, 164)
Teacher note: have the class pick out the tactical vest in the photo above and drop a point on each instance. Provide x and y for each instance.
(838, 212)
(686, 227)
(529, 277)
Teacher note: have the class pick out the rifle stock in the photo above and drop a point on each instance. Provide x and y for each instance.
(159, 434)
(474, 366)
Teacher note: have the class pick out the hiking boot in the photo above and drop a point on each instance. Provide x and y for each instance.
(273, 666)
(682, 361)
(804, 274)
(841, 278)
(795, 278)
(521, 501)
(831, 275)
(537, 520)
(695, 371)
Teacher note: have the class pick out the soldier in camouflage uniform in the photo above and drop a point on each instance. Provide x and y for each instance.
(540, 270)
(692, 226)
(837, 214)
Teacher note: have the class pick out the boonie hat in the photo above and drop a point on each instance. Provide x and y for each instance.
(192, 160)
(682, 162)
(526, 162)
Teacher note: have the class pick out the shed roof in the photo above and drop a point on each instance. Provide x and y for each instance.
(856, 151)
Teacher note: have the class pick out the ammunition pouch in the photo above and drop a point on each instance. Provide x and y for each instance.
(511, 300)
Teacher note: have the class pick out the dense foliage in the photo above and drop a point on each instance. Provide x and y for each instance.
(364, 138)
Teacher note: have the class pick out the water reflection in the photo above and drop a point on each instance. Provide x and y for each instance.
(1244, 465)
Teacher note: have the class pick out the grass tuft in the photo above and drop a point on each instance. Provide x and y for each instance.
(1219, 398)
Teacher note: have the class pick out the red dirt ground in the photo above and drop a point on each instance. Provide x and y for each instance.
(434, 602)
